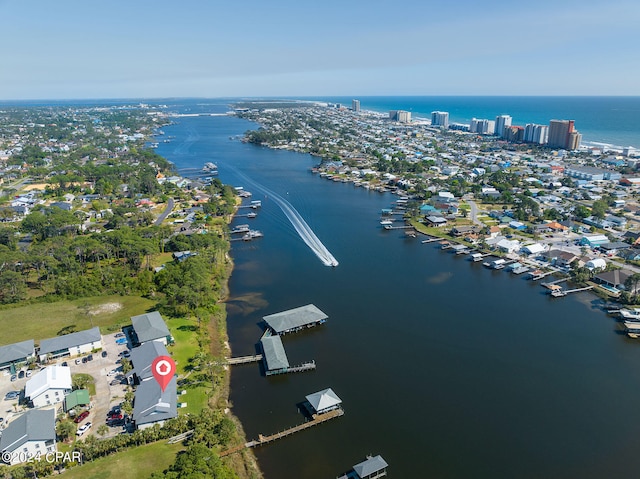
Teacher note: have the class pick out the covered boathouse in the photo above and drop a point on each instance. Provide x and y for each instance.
(274, 355)
(295, 319)
(373, 468)
(323, 401)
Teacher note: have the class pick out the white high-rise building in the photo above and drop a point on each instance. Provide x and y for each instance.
(502, 122)
(534, 133)
(440, 118)
(482, 127)
(355, 105)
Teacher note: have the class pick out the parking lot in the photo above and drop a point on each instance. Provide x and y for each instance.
(108, 394)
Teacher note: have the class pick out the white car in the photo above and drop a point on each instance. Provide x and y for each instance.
(82, 429)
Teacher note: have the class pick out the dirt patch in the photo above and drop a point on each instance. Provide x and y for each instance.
(106, 308)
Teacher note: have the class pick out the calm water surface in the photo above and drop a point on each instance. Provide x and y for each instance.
(447, 369)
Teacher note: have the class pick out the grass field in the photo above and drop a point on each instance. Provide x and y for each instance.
(186, 346)
(140, 461)
(46, 320)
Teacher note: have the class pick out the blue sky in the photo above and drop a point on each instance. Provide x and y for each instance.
(208, 48)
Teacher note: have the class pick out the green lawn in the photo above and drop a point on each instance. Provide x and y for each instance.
(46, 320)
(186, 346)
(139, 461)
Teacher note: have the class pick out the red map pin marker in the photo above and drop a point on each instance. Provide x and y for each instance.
(163, 369)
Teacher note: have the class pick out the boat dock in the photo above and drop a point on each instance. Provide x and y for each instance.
(248, 215)
(310, 366)
(431, 240)
(245, 359)
(537, 274)
(316, 419)
(559, 293)
(405, 227)
(553, 283)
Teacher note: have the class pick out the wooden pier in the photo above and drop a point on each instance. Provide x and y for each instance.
(559, 293)
(406, 227)
(294, 369)
(316, 419)
(536, 275)
(558, 281)
(431, 240)
(245, 359)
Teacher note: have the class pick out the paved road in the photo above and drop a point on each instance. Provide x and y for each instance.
(165, 213)
(474, 213)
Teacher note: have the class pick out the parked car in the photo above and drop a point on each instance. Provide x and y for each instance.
(28, 373)
(115, 417)
(90, 357)
(119, 335)
(82, 429)
(12, 395)
(21, 374)
(84, 360)
(124, 354)
(121, 341)
(104, 354)
(113, 372)
(81, 417)
(13, 377)
(64, 364)
(78, 361)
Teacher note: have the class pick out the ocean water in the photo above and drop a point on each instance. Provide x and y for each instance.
(445, 368)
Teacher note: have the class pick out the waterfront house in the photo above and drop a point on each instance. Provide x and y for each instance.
(152, 405)
(150, 327)
(49, 386)
(73, 344)
(437, 221)
(596, 264)
(16, 353)
(33, 434)
(614, 279)
(141, 359)
(556, 257)
(631, 254)
(508, 246)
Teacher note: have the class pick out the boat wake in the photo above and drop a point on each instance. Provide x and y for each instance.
(302, 228)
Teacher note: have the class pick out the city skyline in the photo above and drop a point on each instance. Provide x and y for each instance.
(72, 49)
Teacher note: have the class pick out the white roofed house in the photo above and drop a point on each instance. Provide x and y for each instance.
(49, 386)
(533, 249)
(508, 246)
(31, 435)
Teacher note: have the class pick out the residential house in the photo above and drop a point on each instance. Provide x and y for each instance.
(150, 327)
(614, 279)
(31, 435)
(49, 386)
(74, 344)
(437, 221)
(152, 405)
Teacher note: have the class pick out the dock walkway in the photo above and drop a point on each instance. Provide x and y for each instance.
(245, 359)
(317, 419)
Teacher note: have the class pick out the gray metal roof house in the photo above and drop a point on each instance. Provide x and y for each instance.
(275, 357)
(295, 319)
(142, 357)
(16, 353)
(150, 327)
(153, 406)
(32, 432)
(72, 344)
